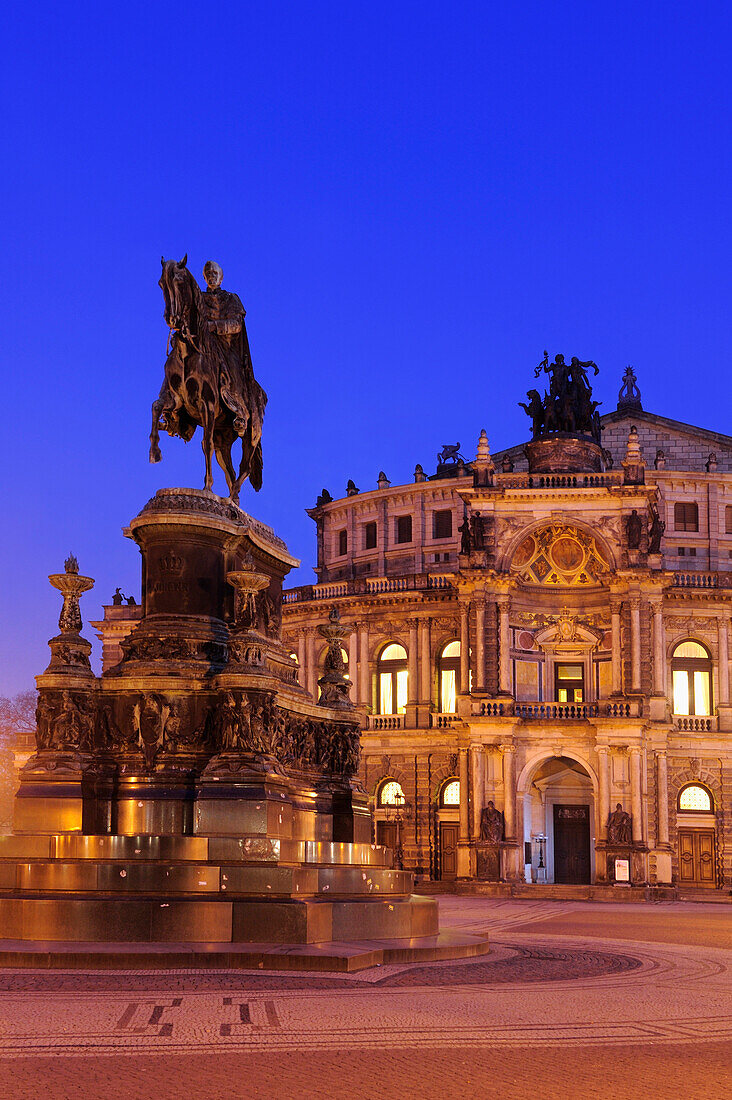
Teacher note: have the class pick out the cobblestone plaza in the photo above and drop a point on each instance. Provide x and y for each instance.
(575, 999)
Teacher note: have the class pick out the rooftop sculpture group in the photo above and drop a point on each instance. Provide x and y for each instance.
(568, 406)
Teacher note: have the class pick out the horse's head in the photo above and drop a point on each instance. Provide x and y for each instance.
(179, 290)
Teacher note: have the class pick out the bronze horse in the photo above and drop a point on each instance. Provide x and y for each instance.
(191, 392)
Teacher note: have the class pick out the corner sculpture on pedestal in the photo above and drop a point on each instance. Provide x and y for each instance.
(196, 793)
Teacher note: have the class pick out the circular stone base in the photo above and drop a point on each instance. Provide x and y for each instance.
(564, 454)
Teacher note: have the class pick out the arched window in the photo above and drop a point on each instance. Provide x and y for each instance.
(450, 794)
(696, 799)
(691, 675)
(390, 794)
(449, 666)
(392, 668)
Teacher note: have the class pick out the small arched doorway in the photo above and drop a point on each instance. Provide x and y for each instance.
(559, 823)
(695, 819)
(448, 825)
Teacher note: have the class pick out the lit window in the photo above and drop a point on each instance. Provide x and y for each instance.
(393, 677)
(570, 683)
(391, 794)
(449, 666)
(696, 798)
(451, 793)
(686, 516)
(691, 679)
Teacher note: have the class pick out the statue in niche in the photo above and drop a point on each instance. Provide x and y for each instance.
(476, 531)
(465, 539)
(655, 533)
(619, 829)
(633, 530)
(491, 824)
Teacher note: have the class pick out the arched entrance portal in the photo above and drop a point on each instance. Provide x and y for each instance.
(559, 823)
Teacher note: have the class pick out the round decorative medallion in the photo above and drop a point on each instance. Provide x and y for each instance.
(566, 555)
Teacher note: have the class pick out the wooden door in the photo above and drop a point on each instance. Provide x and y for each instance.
(697, 858)
(448, 850)
(386, 834)
(572, 844)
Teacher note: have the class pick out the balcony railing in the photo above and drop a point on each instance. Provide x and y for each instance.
(695, 723)
(385, 722)
(443, 721)
(556, 712)
(558, 481)
(702, 580)
(358, 586)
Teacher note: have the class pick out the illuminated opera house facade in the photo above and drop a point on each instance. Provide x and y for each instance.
(538, 643)
(541, 668)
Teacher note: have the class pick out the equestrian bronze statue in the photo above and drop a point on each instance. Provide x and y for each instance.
(209, 381)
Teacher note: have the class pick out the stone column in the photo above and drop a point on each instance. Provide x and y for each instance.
(659, 650)
(617, 677)
(479, 673)
(723, 629)
(311, 666)
(509, 792)
(662, 795)
(504, 648)
(302, 672)
(636, 801)
(464, 789)
(478, 771)
(464, 648)
(635, 644)
(364, 687)
(353, 664)
(425, 685)
(412, 677)
(603, 753)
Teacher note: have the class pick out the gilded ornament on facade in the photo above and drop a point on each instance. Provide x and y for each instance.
(559, 555)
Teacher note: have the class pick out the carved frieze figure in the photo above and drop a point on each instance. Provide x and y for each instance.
(619, 829)
(633, 530)
(65, 720)
(149, 718)
(491, 824)
(209, 380)
(229, 723)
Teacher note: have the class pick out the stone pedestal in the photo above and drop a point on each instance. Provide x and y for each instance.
(562, 453)
(488, 862)
(195, 792)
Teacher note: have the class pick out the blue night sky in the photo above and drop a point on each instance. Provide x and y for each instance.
(413, 200)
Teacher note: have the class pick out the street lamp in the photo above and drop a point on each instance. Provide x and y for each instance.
(397, 805)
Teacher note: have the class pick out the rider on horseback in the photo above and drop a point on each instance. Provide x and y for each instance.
(224, 315)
